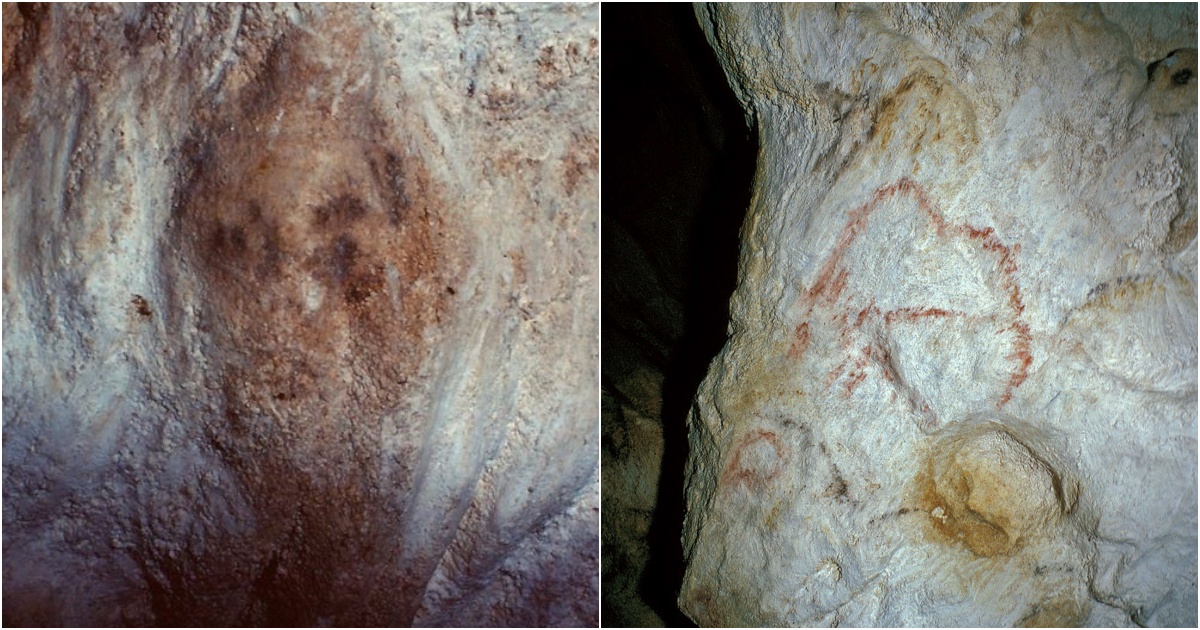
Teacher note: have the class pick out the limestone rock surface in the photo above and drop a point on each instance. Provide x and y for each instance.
(300, 314)
(960, 383)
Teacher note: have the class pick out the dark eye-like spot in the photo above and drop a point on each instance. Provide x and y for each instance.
(358, 292)
(340, 211)
(271, 253)
(1182, 77)
(361, 286)
(228, 240)
(390, 174)
(142, 307)
(345, 253)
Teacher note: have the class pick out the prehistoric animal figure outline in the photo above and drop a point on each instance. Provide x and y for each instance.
(828, 293)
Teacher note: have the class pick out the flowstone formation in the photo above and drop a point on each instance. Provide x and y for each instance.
(300, 315)
(960, 382)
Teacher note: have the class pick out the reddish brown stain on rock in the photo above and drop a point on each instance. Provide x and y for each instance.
(141, 307)
(581, 162)
(800, 343)
(24, 24)
(324, 248)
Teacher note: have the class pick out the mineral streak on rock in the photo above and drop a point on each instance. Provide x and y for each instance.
(985, 490)
(295, 332)
(960, 384)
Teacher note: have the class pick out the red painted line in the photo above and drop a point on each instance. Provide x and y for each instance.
(738, 473)
(801, 342)
(832, 280)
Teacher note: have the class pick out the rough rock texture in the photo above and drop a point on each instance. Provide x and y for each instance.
(683, 159)
(300, 314)
(960, 384)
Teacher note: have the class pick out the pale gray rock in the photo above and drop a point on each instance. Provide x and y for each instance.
(960, 383)
(301, 314)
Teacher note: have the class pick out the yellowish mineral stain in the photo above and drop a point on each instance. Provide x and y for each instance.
(987, 491)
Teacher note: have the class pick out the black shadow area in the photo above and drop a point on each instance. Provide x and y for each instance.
(678, 164)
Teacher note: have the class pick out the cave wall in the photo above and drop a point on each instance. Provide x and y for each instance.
(960, 386)
(674, 196)
(300, 314)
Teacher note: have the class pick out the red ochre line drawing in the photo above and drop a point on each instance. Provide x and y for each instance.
(737, 472)
(831, 283)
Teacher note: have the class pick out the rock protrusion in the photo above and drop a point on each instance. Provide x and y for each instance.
(986, 490)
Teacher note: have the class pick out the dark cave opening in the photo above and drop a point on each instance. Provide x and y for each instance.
(674, 202)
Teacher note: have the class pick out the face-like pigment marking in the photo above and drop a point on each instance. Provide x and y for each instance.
(323, 249)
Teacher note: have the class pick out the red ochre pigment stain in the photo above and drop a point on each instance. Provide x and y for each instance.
(830, 285)
(320, 247)
(800, 344)
(757, 460)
